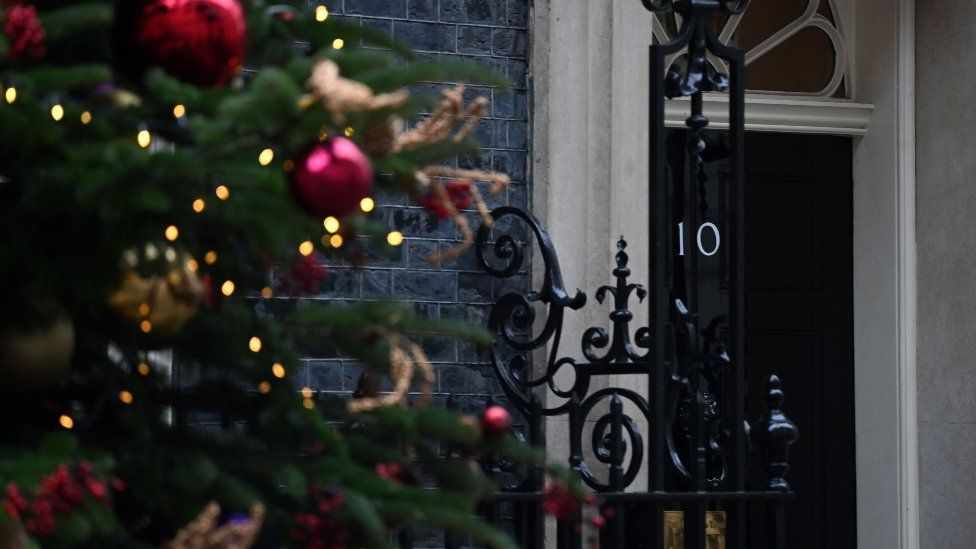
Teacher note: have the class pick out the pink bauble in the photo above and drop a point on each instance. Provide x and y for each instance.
(332, 178)
(495, 421)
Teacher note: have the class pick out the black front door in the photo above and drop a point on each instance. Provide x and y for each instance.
(799, 321)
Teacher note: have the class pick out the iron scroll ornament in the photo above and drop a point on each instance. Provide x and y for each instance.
(512, 319)
(728, 7)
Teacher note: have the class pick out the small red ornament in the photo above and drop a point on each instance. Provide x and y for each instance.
(459, 192)
(495, 421)
(558, 501)
(25, 33)
(199, 41)
(332, 178)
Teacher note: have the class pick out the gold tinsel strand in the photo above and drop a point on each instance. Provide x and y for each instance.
(341, 96)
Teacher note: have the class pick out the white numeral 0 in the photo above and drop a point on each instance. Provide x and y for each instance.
(698, 238)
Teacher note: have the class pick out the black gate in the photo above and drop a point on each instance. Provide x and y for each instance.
(707, 473)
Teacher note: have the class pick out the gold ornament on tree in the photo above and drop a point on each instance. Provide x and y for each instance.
(205, 533)
(406, 357)
(158, 303)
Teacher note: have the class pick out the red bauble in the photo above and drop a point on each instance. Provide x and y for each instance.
(199, 41)
(495, 421)
(332, 178)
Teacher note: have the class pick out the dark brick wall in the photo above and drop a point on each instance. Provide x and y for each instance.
(493, 33)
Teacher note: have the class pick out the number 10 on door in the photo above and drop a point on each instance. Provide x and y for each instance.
(707, 226)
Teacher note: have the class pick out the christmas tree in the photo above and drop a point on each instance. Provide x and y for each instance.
(168, 168)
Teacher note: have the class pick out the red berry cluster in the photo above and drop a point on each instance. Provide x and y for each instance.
(25, 33)
(320, 528)
(304, 277)
(60, 493)
(458, 191)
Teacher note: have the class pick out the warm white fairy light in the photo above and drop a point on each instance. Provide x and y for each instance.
(321, 14)
(395, 238)
(306, 248)
(10, 95)
(331, 224)
(367, 204)
(57, 112)
(266, 157)
(338, 44)
(144, 138)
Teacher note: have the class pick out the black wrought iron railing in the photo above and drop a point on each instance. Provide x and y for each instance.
(705, 477)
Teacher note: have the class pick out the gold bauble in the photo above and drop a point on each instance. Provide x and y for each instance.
(36, 358)
(158, 306)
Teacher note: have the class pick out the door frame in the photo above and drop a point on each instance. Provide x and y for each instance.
(589, 110)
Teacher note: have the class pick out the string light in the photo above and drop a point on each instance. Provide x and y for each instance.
(336, 241)
(306, 392)
(367, 204)
(227, 288)
(395, 238)
(143, 309)
(254, 345)
(199, 205)
(266, 292)
(321, 14)
(125, 397)
(145, 326)
(86, 118)
(144, 138)
(192, 265)
(278, 370)
(349, 131)
(170, 254)
(222, 192)
(331, 224)
(210, 257)
(57, 112)
(264, 387)
(10, 95)
(338, 43)
(172, 233)
(266, 156)
(308, 404)
(143, 368)
(66, 421)
(306, 248)
(179, 111)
